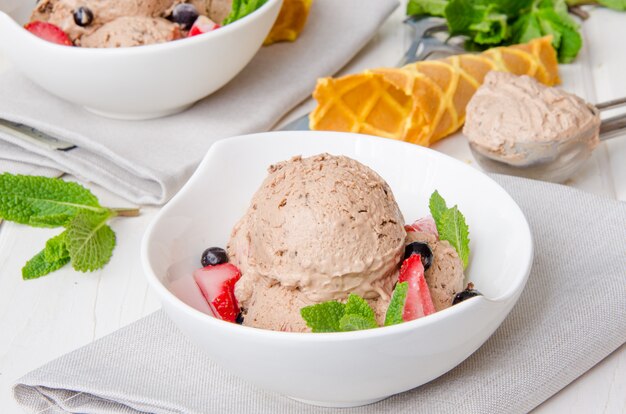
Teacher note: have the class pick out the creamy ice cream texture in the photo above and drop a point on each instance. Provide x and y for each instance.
(318, 229)
(517, 119)
(118, 23)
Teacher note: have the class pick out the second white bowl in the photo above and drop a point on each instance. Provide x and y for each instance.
(137, 82)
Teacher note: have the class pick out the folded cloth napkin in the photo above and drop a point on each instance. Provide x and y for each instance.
(148, 161)
(570, 316)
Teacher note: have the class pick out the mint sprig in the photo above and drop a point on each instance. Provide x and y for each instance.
(488, 23)
(451, 226)
(356, 314)
(87, 243)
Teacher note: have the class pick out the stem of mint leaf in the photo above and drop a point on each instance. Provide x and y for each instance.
(125, 212)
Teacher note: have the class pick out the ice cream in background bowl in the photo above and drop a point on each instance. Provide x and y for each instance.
(515, 125)
(142, 82)
(344, 368)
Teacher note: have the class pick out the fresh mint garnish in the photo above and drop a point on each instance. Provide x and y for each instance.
(242, 8)
(87, 242)
(356, 314)
(324, 317)
(500, 23)
(396, 305)
(90, 241)
(451, 226)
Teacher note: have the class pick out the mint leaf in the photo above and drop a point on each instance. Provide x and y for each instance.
(451, 225)
(42, 201)
(90, 241)
(242, 8)
(526, 28)
(566, 39)
(56, 248)
(396, 305)
(354, 315)
(427, 7)
(454, 229)
(437, 206)
(354, 322)
(323, 317)
(356, 305)
(46, 261)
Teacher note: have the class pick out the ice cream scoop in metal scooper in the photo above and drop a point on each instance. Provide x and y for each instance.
(554, 161)
(549, 161)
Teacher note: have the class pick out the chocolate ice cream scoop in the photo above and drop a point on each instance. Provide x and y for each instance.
(321, 227)
(518, 126)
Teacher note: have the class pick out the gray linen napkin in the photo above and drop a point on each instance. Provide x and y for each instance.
(148, 161)
(571, 315)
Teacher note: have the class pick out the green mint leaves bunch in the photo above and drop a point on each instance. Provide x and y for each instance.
(87, 241)
(451, 226)
(242, 8)
(489, 23)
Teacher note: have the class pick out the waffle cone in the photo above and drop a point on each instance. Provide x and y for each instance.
(424, 101)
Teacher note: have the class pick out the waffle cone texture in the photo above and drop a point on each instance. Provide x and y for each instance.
(425, 101)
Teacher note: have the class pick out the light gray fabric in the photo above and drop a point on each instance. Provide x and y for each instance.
(148, 161)
(570, 316)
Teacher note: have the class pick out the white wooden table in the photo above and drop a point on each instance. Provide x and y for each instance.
(46, 318)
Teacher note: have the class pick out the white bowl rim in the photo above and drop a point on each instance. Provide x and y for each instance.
(165, 294)
(151, 48)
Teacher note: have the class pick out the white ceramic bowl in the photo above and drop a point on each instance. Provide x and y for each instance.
(353, 368)
(137, 82)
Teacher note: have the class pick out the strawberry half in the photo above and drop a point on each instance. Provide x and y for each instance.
(423, 225)
(217, 284)
(418, 301)
(202, 25)
(48, 31)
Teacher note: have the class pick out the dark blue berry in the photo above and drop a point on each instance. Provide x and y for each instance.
(214, 256)
(83, 16)
(184, 14)
(423, 250)
(469, 292)
(239, 319)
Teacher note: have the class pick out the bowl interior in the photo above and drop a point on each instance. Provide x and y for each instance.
(218, 194)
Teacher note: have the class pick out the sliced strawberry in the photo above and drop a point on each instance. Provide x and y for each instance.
(48, 31)
(418, 301)
(202, 25)
(423, 225)
(217, 284)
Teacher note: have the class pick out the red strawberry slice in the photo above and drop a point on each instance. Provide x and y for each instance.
(217, 284)
(202, 25)
(423, 225)
(418, 301)
(48, 31)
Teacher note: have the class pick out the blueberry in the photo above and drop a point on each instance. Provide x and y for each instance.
(423, 250)
(469, 292)
(83, 16)
(239, 319)
(214, 256)
(184, 14)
